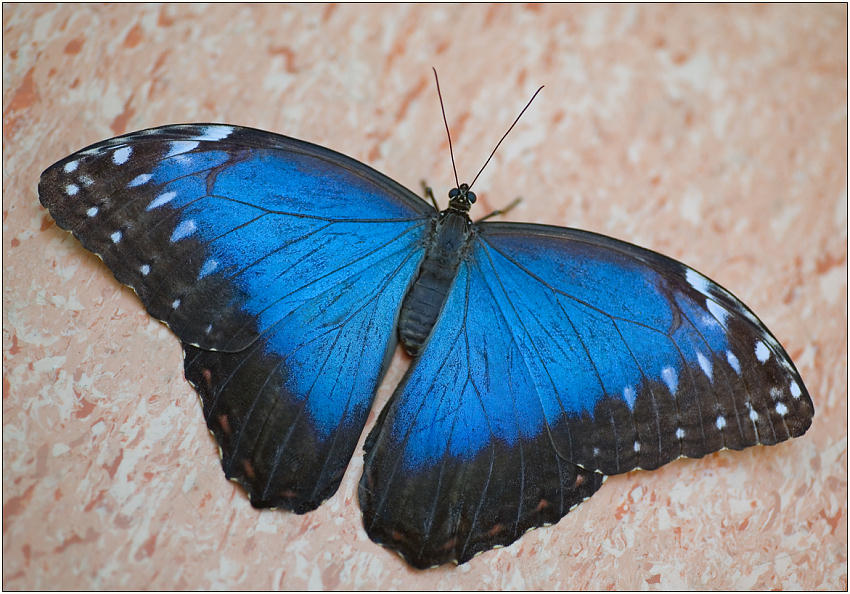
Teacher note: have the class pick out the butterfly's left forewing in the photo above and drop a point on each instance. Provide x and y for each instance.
(641, 359)
(279, 264)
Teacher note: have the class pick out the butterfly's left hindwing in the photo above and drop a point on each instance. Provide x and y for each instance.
(461, 459)
(279, 264)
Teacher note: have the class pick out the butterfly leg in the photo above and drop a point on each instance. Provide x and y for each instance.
(429, 193)
(499, 211)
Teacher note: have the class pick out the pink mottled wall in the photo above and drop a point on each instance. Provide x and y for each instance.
(715, 134)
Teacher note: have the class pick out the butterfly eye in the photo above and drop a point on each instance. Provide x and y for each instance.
(453, 193)
(471, 196)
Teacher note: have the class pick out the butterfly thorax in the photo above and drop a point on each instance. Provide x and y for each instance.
(448, 241)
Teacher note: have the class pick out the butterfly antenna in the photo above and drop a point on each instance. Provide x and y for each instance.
(446, 122)
(505, 135)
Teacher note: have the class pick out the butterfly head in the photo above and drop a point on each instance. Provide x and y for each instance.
(461, 198)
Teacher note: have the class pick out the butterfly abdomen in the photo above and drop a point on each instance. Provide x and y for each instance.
(424, 300)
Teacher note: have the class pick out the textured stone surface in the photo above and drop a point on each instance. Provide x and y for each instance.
(714, 134)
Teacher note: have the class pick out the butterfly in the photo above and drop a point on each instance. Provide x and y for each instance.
(545, 358)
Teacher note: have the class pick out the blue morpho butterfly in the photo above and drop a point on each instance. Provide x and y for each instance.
(545, 357)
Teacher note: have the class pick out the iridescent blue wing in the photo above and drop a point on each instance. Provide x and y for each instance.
(662, 362)
(279, 264)
(460, 460)
(561, 352)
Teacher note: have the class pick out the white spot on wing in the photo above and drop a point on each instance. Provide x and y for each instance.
(781, 409)
(175, 304)
(595, 451)
(120, 156)
(733, 362)
(144, 269)
(705, 365)
(762, 352)
(161, 199)
(680, 433)
(208, 267)
(208, 329)
(178, 147)
(753, 415)
(184, 229)
(718, 312)
(215, 132)
(86, 180)
(139, 180)
(795, 390)
(720, 423)
(668, 375)
(71, 166)
(775, 393)
(697, 281)
(92, 211)
(115, 237)
(637, 446)
(72, 189)
(629, 396)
